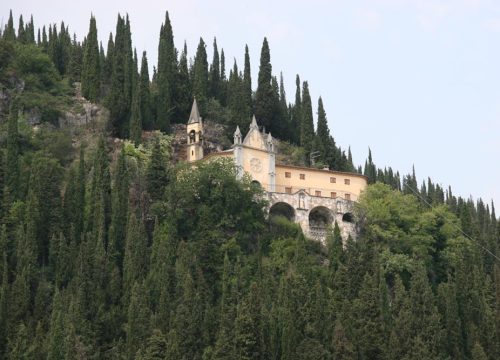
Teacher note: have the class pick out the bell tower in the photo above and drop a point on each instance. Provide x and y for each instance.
(194, 131)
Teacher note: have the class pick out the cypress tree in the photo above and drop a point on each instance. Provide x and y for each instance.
(223, 79)
(9, 33)
(296, 115)
(200, 77)
(74, 71)
(247, 82)
(157, 176)
(307, 125)
(120, 95)
(21, 33)
(137, 327)
(167, 65)
(120, 210)
(136, 117)
(145, 95)
(90, 64)
(249, 327)
(183, 97)
(266, 100)
(12, 154)
(214, 76)
(136, 254)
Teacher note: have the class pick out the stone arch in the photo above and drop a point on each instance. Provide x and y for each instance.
(320, 217)
(348, 217)
(282, 209)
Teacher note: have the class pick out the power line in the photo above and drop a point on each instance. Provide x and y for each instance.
(417, 194)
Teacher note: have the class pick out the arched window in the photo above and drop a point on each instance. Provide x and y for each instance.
(192, 136)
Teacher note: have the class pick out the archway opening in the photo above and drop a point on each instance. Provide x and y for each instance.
(282, 209)
(348, 217)
(320, 218)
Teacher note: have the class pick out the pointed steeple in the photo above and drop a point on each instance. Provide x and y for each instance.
(195, 114)
(253, 124)
(237, 136)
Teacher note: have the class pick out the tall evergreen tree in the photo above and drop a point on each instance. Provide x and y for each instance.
(200, 76)
(120, 94)
(90, 65)
(12, 154)
(9, 33)
(136, 117)
(247, 82)
(183, 97)
(145, 95)
(214, 76)
(266, 101)
(307, 125)
(167, 65)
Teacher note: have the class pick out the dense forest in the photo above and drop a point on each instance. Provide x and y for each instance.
(110, 248)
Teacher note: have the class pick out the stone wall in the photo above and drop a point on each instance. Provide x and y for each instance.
(315, 214)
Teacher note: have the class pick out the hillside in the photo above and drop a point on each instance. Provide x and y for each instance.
(112, 247)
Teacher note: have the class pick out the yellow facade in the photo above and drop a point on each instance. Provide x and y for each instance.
(317, 182)
(255, 155)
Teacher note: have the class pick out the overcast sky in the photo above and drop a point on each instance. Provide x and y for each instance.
(417, 81)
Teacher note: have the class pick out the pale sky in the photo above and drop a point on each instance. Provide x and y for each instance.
(417, 81)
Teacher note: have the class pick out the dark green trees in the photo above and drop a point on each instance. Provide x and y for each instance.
(307, 124)
(167, 66)
(200, 76)
(122, 73)
(91, 66)
(266, 101)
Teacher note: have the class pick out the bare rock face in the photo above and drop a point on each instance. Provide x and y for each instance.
(82, 113)
(214, 139)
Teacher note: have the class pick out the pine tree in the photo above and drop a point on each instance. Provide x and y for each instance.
(136, 254)
(167, 65)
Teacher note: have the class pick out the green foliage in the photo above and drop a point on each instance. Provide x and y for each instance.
(91, 66)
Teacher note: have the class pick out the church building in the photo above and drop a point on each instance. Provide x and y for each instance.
(314, 198)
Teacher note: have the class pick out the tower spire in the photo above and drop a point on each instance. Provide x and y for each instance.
(194, 117)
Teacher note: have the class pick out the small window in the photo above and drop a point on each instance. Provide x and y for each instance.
(333, 180)
(348, 196)
(302, 176)
(288, 174)
(288, 190)
(318, 193)
(333, 194)
(192, 152)
(347, 181)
